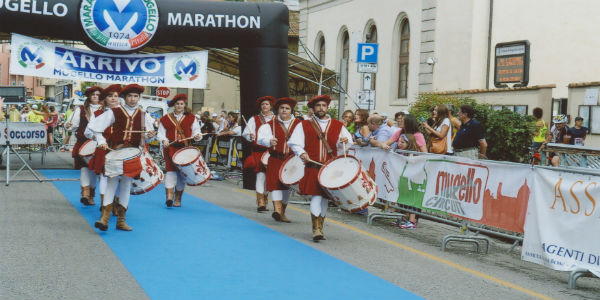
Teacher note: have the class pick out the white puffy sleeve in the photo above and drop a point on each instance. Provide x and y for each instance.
(250, 129)
(99, 124)
(264, 135)
(296, 141)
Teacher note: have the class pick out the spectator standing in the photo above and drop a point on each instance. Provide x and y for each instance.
(470, 139)
(380, 131)
(13, 114)
(34, 117)
(578, 132)
(348, 120)
(441, 128)
(207, 125)
(454, 121)
(51, 122)
(409, 127)
(541, 129)
(362, 129)
(68, 118)
(234, 129)
(24, 114)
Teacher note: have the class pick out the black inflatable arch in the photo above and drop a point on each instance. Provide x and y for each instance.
(260, 30)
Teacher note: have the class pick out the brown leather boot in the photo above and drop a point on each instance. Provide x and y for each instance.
(121, 225)
(102, 224)
(170, 196)
(262, 202)
(101, 202)
(283, 217)
(321, 222)
(317, 235)
(114, 210)
(178, 196)
(277, 211)
(85, 195)
(92, 195)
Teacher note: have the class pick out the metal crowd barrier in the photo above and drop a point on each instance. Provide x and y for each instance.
(572, 156)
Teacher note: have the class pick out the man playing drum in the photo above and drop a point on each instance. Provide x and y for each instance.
(110, 98)
(129, 123)
(250, 132)
(79, 122)
(317, 140)
(282, 127)
(174, 132)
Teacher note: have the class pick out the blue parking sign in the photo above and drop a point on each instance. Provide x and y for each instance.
(367, 53)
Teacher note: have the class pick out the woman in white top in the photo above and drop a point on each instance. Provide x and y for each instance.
(234, 129)
(441, 127)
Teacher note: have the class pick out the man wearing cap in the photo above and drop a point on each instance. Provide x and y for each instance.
(175, 131)
(128, 121)
(317, 140)
(110, 99)
(275, 135)
(578, 132)
(78, 123)
(253, 161)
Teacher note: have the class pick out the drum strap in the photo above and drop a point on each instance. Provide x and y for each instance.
(143, 135)
(321, 136)
(178, 128)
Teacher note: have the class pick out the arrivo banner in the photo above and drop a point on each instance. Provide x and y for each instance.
(22, 133)
(562, 225)
(33, 57)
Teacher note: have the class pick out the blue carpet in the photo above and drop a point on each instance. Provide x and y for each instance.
(203, 251)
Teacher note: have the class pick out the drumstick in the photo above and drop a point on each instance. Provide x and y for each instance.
(246, 122)
(137, 131)
(344, 146)
(314, 162)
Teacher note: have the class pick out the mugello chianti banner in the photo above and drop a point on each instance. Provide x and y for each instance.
(562, 225)
(34, 57)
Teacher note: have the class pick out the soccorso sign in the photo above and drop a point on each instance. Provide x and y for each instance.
(120, 25)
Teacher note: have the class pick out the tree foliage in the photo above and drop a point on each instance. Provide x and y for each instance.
(508, 134)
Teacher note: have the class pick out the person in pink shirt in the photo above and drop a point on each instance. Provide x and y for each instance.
(409, 126)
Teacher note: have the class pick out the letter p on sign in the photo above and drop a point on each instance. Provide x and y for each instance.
(367, 53)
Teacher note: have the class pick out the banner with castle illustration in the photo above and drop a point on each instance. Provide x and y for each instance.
(484, 192)
(562, 222)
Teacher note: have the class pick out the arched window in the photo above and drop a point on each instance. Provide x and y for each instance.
(372, 38)
(322, 50)
(346, 54)
(403, 60)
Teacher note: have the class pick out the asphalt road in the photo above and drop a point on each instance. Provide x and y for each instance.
(49, 251)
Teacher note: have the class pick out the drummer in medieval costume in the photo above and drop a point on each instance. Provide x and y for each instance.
(275, 135)
(129, 123)
(79, 122)
(250, 133)
(175, 131)
(315, 141)
(110, 99)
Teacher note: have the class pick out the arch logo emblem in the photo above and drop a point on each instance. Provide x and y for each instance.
(31, 55)
(121, 25)
(186, 68)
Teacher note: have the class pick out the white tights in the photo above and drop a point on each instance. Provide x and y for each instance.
(87, 178)
(280, 195)
(260, 182)
(174, 180)
(102, 185)
(123, 184)
(318, 205)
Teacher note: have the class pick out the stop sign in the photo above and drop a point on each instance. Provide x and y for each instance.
(163, 92)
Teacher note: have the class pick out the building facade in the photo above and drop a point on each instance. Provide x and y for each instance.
(437, 46)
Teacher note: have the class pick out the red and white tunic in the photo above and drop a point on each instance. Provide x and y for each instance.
(305, 139)
(80, 121)
(124, 120)
(257, 150)
(279, 153)
(176, 127)
(99, 159)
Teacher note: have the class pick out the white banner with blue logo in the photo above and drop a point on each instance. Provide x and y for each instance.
(33, 57)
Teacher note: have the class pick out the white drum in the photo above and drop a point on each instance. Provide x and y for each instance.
(264, 159)
(124, 161)
(190, 163)
(86, 151)
(150, 177)
(349, 185)
(291, 171)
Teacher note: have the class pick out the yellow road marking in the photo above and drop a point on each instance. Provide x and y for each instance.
(422, 253)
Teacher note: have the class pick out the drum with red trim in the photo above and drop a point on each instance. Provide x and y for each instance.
(150, 176)
(291, 171)
(349, 185)
(87, 149)
(124, 161)
(264, 159)
(190, 163)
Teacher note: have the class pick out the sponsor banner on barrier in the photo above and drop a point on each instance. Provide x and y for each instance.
(33, 57)
(562, 225)
(485, 192)
(22, 133)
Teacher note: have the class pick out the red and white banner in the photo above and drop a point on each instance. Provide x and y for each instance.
(561, 231)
